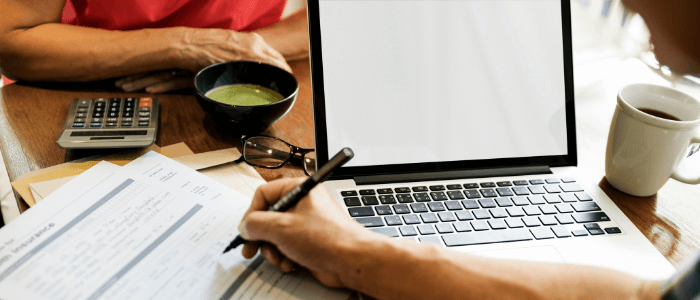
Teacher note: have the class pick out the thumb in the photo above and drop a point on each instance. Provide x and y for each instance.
(263, 226)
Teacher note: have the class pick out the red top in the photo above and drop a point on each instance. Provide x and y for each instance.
(239, 15)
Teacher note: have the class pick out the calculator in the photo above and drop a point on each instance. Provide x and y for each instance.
(110, 123)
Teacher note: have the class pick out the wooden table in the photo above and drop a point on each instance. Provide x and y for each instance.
(31, 119)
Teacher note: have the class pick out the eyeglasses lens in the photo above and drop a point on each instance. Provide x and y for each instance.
(310, 163)
(266, 151)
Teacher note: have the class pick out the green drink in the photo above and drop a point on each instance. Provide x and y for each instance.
(244, 95)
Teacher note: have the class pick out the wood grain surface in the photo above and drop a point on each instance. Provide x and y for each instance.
(31, 118)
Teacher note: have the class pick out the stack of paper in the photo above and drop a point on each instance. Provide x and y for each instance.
(152, 229)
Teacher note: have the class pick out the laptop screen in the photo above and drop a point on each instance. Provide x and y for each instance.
(427, 82)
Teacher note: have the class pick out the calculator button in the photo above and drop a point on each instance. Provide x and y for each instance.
(96, 120)
(97, 115)
(127, 119)
(95, 125)
(112, 119)
(114, 109)
(81, 110)
(100, 104)
(113, 115)
(144, 119)
(127, 124)
(144, 114)
(111, 124)
(145, 109)
(126, 108)
(98, 109)
(80, 115)
(143, 124)
(78, 124)
(128, 114)
(145, 102)
(84, 102)
(77, 120)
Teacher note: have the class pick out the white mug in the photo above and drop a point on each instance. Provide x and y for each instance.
(644, 150)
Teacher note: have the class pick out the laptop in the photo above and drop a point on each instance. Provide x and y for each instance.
(461, 117)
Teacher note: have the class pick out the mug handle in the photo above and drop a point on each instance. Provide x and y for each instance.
(685, 179)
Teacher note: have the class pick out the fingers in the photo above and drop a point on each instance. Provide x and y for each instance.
(269, 193)
(171, 85)
(148, 80)
(264, 226)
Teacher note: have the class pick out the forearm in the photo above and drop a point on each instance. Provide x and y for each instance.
(392, 269)
(289, 36)
(58, 52)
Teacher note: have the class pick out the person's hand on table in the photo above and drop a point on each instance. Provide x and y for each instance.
(204, 52)
(312, 234)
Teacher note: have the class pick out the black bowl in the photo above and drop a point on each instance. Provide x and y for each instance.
(246, 119)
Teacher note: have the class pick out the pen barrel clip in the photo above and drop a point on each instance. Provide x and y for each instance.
(288, 200)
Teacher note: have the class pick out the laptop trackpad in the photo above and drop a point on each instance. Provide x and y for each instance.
(542, 253)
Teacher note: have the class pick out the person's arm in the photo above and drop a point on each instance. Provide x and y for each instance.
(34, 46)
(318, 235)
(290, 36)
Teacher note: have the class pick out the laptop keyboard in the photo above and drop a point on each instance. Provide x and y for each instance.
(480, 213)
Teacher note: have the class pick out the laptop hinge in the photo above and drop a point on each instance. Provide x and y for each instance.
(449, 175)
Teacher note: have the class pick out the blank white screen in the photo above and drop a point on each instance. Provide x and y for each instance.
(428, 81)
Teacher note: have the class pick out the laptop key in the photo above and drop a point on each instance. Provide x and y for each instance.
(571, 187)
(548, 209)
(464, 215)
(542, 233)
(590, 226)
(548, 220)
(504, 202)
(421, 197)
(564, 208)
(437, 187)
(348, 193)
(401, 209)
(470, 204)
(515, 223)
(579, 232)
(521, 191)
(568, 198)
(387, 199)
(488, 193)
(487, 184)
(498, 213)
(431, 240)
(361, 211)
(504, 192)
(497, 224)
(504, 183)
(393, 220)
(613, 230)
(411, 219)
(480, 225)
(551, 199)
(515, 211)
(352, 201)
(590, 217)
(371, 221)
(429, 218)
(438, 196)
(455, 195)
(388, 231)
(568, 180)
(370, 200)
(426, 229)
(444, 228)
(561, 231)
(472, 194)
(454, 186)
(481, 214)
(564, 219)
(383, 210)
(419, 207)
(552, 180)
(462, 226)
(536, 199)
(402, 190)
(487, 203)
(520, 182)
(366, 192)
(446, 216)
(436, 206)
(585, 206)
(453, 205)
(536, 181)
(596, 231)
(491, 237)
(385, 191)
(532, 211)
(408, 230)
(404, 198)
(531, 221)
(471, 186)
(536, 189)
(520, 201)
(420, 188)
(583, 196)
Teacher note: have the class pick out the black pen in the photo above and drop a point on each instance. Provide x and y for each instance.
(290, 199)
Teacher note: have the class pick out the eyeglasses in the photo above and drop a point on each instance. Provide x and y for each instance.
(272, 153)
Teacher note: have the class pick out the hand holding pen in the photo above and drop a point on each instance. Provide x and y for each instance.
(292, 198)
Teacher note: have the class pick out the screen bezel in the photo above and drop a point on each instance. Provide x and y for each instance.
(318, 96)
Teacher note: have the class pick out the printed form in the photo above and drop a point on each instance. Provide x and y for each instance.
(153, 229)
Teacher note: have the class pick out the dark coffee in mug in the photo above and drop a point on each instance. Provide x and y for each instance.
(658, 114)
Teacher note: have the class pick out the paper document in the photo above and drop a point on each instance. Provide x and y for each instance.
(153, 229)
